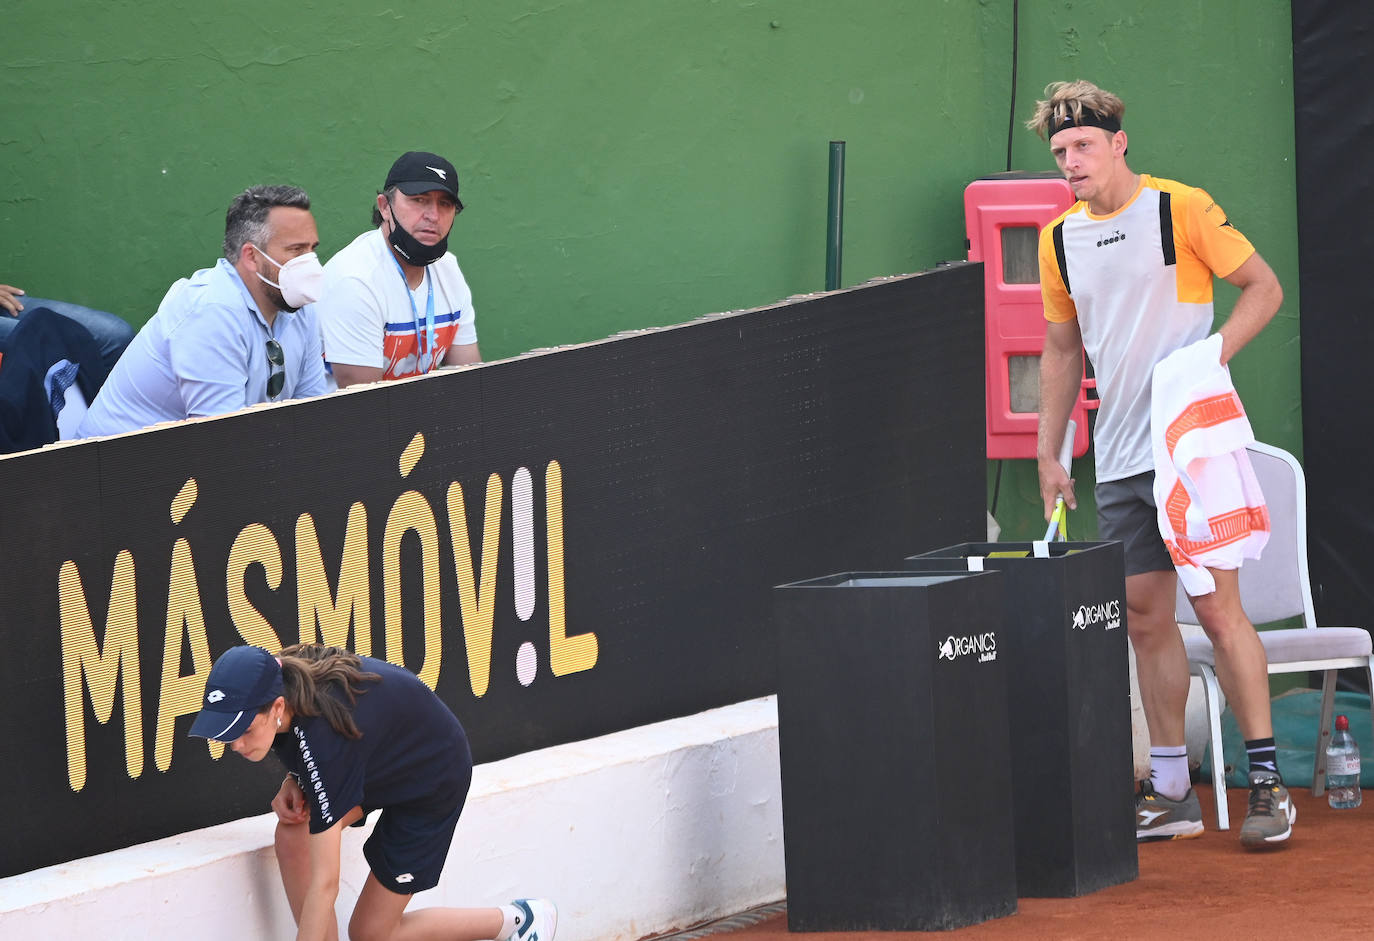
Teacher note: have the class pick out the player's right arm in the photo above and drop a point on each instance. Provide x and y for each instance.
(1061, 374)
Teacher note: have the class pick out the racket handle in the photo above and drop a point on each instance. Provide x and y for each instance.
(1055, 517)
(1066, 449)
(1065, 461)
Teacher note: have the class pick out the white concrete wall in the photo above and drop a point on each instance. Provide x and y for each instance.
(632, 834)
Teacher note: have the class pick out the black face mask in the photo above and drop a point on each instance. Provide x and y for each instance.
(412, 249)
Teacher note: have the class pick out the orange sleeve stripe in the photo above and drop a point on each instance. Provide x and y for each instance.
(1059, 307)
(1212, 245)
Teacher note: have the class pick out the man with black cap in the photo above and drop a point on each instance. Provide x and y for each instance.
(395, 303)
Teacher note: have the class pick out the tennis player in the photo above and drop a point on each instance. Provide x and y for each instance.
(1127, 272)
(357, 735)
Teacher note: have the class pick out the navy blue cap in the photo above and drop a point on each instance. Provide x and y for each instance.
(241, 682)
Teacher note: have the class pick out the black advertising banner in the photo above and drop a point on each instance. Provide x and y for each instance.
(1333, 142)
(564, 544)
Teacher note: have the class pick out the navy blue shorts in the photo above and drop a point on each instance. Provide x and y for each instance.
(408, 848)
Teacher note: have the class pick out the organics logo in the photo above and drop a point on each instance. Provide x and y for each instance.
(985, 645)
(1107, 613)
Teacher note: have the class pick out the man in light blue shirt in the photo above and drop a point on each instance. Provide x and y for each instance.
(230, 336)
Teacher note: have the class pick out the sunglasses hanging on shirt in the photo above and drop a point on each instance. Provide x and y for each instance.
(277, 359)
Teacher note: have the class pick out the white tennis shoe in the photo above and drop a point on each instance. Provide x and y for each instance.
(535, 920)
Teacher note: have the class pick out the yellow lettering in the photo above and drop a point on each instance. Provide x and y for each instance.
(477, 603)
(82, 659)
(412, 513)
(181, 695)
(254, 545)
(315, 604)
(184, 500)
(566, 654)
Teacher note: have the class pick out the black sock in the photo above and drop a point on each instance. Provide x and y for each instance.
(1263, 756)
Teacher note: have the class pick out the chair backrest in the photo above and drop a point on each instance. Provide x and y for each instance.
(1276, 585)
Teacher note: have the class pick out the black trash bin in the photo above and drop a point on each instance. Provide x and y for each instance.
(1063, 639)
(892, 728)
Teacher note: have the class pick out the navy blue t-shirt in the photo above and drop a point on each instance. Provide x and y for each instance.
(413, 754)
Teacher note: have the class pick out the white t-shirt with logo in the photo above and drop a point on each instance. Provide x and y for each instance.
(366, 314)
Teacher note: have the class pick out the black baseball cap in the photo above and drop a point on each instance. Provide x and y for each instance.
(241, 682)
(417, 171)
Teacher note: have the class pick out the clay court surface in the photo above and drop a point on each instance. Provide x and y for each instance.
(1321, 885)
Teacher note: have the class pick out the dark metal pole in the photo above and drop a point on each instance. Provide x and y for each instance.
(834, 217)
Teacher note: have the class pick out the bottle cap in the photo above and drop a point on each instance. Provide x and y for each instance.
(1342, 724)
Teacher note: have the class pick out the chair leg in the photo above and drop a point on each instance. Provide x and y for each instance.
(1370, 670)
(1323, 733)
(1212, 694)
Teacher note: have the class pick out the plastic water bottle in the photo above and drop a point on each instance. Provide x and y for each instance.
(1343, 768)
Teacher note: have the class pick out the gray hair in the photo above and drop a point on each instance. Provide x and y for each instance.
(246, 220)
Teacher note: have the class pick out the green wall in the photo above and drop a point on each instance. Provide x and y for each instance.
(625, 164)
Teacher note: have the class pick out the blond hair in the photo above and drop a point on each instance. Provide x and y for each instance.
(1064, 100)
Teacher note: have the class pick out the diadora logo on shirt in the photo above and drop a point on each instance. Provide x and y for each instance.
(1106, 612)
(985, 645)
(1117, 236)
(443, 174)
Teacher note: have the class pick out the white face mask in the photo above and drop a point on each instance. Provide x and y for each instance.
(301, 278)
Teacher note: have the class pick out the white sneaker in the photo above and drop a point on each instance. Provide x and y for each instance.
(535, 920)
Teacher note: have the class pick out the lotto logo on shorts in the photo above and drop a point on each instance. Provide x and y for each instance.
(405, 877)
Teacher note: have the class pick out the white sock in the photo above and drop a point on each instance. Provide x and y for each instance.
(508, 915)
(1169, 770)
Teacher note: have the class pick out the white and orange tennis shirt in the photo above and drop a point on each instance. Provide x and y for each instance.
(1139, 281)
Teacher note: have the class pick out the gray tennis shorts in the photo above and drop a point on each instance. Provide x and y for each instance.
(1126, 514)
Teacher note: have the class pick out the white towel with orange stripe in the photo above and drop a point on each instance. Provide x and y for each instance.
(1211, 511)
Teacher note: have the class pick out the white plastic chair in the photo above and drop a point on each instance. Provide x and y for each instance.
(1272, 588)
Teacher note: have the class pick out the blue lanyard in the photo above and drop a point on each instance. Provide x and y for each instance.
(424, 353)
